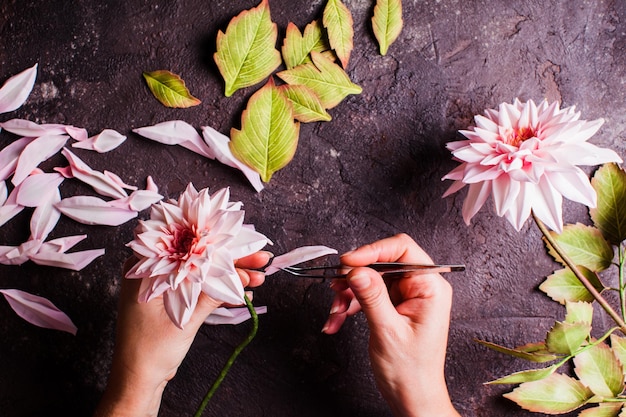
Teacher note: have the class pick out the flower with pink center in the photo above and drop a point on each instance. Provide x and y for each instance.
(189, 246)
(526, 157)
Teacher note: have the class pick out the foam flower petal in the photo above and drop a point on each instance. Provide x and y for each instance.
(3, 192)
(106, 141)
(298, 255)
(10, 208)
(103, 184)
(10, 155)
(177, 132)
(27, 128)
(16, 89)
(234, 315)
(35, 153)
(45, 217)
(38, 311)
(138, 200)
(38, 189)
(74, 261)
(93, 210)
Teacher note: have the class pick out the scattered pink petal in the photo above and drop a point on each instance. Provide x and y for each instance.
(27, 128)
(77, 133)
(65, 171)
(117, 180)
(298, 255)
(223, 315)
(219, 145)
(38, 311)
(16, 89)
(35, 153)
(151, 185)
(10, 208)
(138, 200)
(3, 192)
(177, 132)
(106, 141)
(36, 190)
(62, 244)
(100, 182)
(17, 255)
(9, 156)
(45, 217)
(74, 261)
(94, 211)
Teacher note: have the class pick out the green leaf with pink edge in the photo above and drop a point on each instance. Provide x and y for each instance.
(603, 410)
(526, 376)
(584, 245)
(268, 137)
(170, 89)
(555, 394)
(533, 352)
(306, 105)
(579, 312)
(246, 53)
(338, 22)
(297, 46)
(609, 216)
(565, 338)
(564, 286)
(387, 23)
(600, 370)
(618, 344)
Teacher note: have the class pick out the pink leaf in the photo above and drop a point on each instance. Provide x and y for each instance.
(106, 141)
(38, 311)
(100, 182)
(93, 210)
(16, 89)
(9, 156)
(298, 255)
(38, 189)
(222, 315)
(177, 132)
(35, 153)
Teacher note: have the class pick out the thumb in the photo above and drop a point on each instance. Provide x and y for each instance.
(370, 290)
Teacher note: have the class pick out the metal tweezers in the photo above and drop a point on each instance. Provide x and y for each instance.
(388, 269)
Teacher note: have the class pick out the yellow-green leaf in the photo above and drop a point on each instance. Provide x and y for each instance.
(564, 286)
(297, 47)
(387, 23)
(610, 213)
(599, 369)
(585, 245)
(169, 89)
(328, 80)
(602, 410)
(618, 345)
(566, 338)
(556, 394)
(579, 312)
(306, 105)
(526, 376)
(535, 352)
(268, 137)
(338, 22)
(246, 53)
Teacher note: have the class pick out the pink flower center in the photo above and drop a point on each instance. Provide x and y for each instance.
(517, 136)
(184, 240)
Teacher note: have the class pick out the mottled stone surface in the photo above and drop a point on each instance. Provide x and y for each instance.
(371, 172)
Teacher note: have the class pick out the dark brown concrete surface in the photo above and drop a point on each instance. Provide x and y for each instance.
(371, 172)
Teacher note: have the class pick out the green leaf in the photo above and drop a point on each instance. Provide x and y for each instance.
(169, 89)
(566, 338)
(599, 369)
(585, 245)
(579, 312)
(268, 137)
(246, 54)
(563, 285)
(618, 344)
(534, 352)
(387, 23)
(602, 410)
(329, 82)
(337, 20)
(526, 376)
(610, 213)
(297, 47)
(556, 394)
(306, 105)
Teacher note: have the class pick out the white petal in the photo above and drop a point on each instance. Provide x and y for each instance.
(222, 315)
(505, 192)
(298, 255)
(518, 213)
(476, 197)
(574, 185)
(247, 242)
(35, 153)
(548, 206)
(180, 304)
(177, 132)
(16, 89)
(94, 211)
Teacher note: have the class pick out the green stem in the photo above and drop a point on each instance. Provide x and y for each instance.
(622, 298)
(231, 360)
(583, 280)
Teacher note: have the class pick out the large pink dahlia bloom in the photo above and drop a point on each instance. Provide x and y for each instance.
(189, 246)
(526, 156)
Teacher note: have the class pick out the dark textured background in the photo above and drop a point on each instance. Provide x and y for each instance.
(371, 172)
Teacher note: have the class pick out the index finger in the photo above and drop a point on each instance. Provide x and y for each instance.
(401, 248)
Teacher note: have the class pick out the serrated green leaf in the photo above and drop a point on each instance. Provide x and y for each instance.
(268, 137)
(328, 80)
(579, 312)
(610, 213)
(306, 105)
(297, 47)
(535, 352)
(526, 376)
(246, 53)
(599, 369)
(618, 344)
(602, 410)
(585, 245)
(337, 20)
(169, 89)
(563, 285)
(566, 338)
(387, 23)
(556, 394)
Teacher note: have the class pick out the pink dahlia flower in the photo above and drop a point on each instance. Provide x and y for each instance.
(189, 246)
(526, 156)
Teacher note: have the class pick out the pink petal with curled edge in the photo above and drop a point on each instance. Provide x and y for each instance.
(17, 255)
(3, 192)
(223, 315)
(45, 217)
(298, 255)
(27, 128)
(65, 171)
(106, 141)
(10, 208)
(61, 244)
(16, 89)
(151, 185)
(219, 145)
(38, 189)
(103, 184)
(35, 153)
(138, 200)
(77, 133)
(94, 211)
(177, 132)
(9, 156)
(117, 180)
(38, 311)
(74, 261)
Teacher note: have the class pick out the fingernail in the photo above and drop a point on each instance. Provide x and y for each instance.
(348, 253)
(359, 281)
(325, 328)
(334, 309)
(269, 254)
